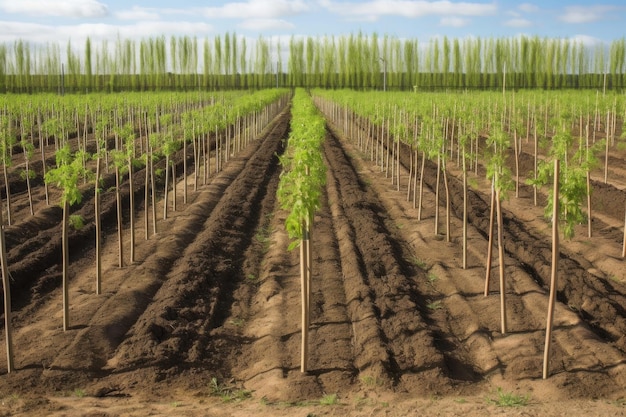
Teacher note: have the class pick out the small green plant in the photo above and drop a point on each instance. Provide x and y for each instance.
(251, 277)
(418, 262)
(435, 305)
(237, 322)
(508, 399)
(371, 381)
(79, 392)
(432, 278)
(228, 393)
(329, 399)
(175, 404)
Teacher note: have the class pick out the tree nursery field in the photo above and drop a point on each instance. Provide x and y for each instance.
(322, 252)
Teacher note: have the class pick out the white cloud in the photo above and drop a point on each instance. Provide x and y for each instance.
(585, 14)
(138, 13)
(518, 23)
(38, 33)
(586, 40)
(59, 8)
(528, 8)
(409, 8)
(455, 22)
(257, 9)
(265, 24)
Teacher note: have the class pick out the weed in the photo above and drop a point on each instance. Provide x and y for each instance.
(432, 278)
(418, 262)
(435, 305)
(10, 400)
(251, 277)
(175, 404)
(228, 393)
(460, 400)
(80, 393)
(329, 399)
(508, 399)
(371, 381)
(237, 322)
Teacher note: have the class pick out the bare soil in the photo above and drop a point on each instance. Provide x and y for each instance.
(207, 320)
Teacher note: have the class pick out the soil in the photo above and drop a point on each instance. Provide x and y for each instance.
(206, 321)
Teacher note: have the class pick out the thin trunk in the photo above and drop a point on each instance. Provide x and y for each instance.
(174, 187)
(184, 171)
(167, 179)
(8, 192)
(421, 189)
(66, 262)
(516, 149)
(501, 265)
(447, 189)
(464, 210)
(437, 195)
(118, 199)
(554, 270)
(408, 188)
(305, 299)
(535, 165)
(606, 152)
(153, 193)
(6, 285)
(131, 198)
(98, 228)
(492, 211)
(624, 239)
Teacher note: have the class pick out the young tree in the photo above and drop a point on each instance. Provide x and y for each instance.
(65, 176)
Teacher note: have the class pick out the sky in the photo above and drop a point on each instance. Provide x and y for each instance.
(43, 21)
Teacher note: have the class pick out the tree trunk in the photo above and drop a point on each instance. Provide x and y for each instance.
(8, 192)
(492, 211)
(554, 271)
(167, 179)
(98, 228)
(131, 197)
(65, 262)
(305, 298)
(501, 266)
(6, 284)
(464, 210)
(118, 198)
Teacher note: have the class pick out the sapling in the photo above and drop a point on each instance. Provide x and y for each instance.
(65, 176)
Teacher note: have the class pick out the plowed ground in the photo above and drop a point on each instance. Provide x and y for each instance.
(207, 320)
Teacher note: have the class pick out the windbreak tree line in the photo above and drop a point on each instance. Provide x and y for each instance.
(354, 61)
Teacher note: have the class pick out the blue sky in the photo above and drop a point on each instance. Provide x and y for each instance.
(43, 21)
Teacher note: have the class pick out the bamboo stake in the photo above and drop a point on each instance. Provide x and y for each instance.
(555, 266)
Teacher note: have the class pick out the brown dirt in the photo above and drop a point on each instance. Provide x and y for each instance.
(207, 321)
